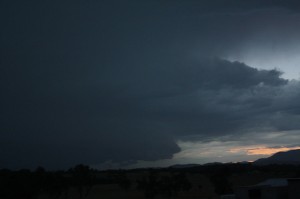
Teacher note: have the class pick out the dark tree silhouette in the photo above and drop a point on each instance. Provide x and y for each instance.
(123, 181)
(167, 186)
(82, 179)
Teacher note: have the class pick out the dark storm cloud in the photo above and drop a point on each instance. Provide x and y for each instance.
(223, 97)
(89, 82)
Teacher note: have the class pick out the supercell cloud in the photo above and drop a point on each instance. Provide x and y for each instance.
(94, 82)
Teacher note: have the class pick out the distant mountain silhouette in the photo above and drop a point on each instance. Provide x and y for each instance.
(288, 157)
(214, 163)
(183, 166)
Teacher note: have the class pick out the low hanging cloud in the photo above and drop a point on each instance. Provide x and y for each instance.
(210, 100)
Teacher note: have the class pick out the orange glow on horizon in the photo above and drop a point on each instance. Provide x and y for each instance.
(262, 150)
(269, 151)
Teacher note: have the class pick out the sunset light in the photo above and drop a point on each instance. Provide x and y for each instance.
(262, 150)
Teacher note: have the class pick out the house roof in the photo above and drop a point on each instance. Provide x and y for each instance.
(274, 182)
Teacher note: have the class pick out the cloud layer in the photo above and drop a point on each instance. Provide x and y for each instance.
(98, 82)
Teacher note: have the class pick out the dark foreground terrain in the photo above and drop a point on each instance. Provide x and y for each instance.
(208, 181)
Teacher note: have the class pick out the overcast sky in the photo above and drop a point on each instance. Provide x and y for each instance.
(130, 83)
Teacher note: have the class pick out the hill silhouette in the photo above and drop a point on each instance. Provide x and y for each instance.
(288, 157)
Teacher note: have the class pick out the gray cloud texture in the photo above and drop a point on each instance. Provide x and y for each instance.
(90, 82)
